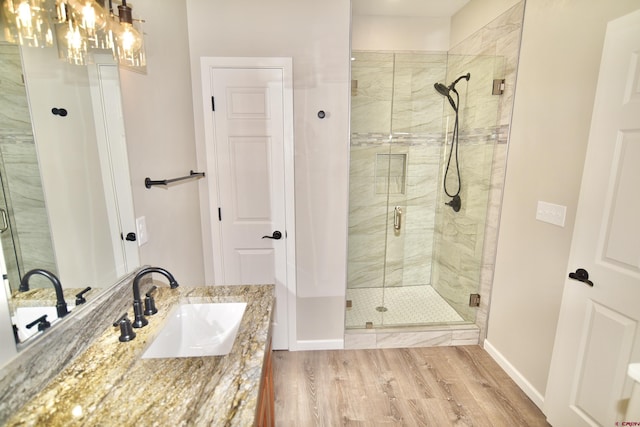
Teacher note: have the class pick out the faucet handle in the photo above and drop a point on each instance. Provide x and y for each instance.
(126, 331)
(149, 302)
(80, 299)
(42, 323)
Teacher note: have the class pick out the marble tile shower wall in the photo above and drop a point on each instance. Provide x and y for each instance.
(466, 244)
(388, 120)
(396, 141)
(24, 198)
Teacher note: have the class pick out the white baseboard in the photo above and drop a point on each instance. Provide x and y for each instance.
(515, 375)
(303, 345)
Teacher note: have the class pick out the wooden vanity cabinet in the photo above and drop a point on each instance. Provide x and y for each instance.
(265, 415)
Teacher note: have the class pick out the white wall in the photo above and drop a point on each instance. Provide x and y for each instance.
(158, 115)
(559, 61)
(400, 33)
(316, 35)
(69, 168)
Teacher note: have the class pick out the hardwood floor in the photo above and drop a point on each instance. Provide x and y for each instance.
(435, 386)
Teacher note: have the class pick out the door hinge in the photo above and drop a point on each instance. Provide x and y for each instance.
(213, 104)
(498, 87)
(474, 300)
(219, 214)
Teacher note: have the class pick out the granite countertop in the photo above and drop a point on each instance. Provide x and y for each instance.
(38, 297)
(109, 384)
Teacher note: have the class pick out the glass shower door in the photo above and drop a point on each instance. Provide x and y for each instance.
(371, 93)
(459, 236)
(414, 160)
(412, 259)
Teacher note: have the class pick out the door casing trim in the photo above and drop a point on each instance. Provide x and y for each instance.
(286, 65)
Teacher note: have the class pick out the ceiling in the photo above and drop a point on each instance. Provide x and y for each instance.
(424, 8)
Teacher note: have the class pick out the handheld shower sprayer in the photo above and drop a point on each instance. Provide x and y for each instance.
(443, 90)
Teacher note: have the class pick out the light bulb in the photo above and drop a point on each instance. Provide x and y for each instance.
(93, 18)
(31, 21)
(72, 42)
(130, 39)
(129, 45)
(24, 15)
(88, 17)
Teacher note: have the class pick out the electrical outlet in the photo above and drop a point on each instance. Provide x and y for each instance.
(141, 227)
(553, 214)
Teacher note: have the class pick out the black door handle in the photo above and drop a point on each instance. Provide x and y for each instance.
(131, 237)
(581, 275)
(276, 236)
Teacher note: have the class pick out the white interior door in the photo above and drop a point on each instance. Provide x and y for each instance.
(114, 162)
(598, 333)
(249, 187)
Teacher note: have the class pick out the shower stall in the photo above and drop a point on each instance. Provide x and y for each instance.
(413, 259)
(25, 236)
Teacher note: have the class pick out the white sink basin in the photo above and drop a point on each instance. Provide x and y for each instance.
(195, 330)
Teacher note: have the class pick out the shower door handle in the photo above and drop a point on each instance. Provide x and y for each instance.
(5, 222)
(397, 218)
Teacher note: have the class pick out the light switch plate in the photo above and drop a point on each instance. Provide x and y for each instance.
(141, 227)
(553, 214)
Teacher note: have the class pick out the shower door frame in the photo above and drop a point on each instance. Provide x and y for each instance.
(409, 141)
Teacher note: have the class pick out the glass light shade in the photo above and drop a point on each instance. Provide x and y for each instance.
(9, 26)
(129, 45)
(32, 22)
(60, 11)
(72, 43)
(94, 20)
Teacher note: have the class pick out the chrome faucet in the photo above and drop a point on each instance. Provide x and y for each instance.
(61, 305)
(140, 320)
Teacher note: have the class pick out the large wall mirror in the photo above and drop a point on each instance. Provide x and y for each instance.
(65, 196)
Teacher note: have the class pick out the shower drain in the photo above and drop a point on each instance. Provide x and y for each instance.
(381, 309)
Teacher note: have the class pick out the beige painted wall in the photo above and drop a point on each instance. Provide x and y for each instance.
(158, 114)
(559, 62)
(399, 33)
(316, 35)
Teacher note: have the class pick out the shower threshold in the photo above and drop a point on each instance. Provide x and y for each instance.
(412, 336)
(408, 316)
(398, 306)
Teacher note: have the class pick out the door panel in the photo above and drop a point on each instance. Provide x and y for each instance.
(623, 230)
(603, 356)
(250, 163)
(248, 142)
(254, 264)
(598, 333)
(248, 122)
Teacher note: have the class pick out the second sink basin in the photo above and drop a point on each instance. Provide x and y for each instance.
(25, 315)
(196, 330)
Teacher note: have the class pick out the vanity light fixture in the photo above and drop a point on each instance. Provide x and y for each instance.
(94, 19)
(29, 22)
(80, 26)
(129, 44)
(72, 39)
